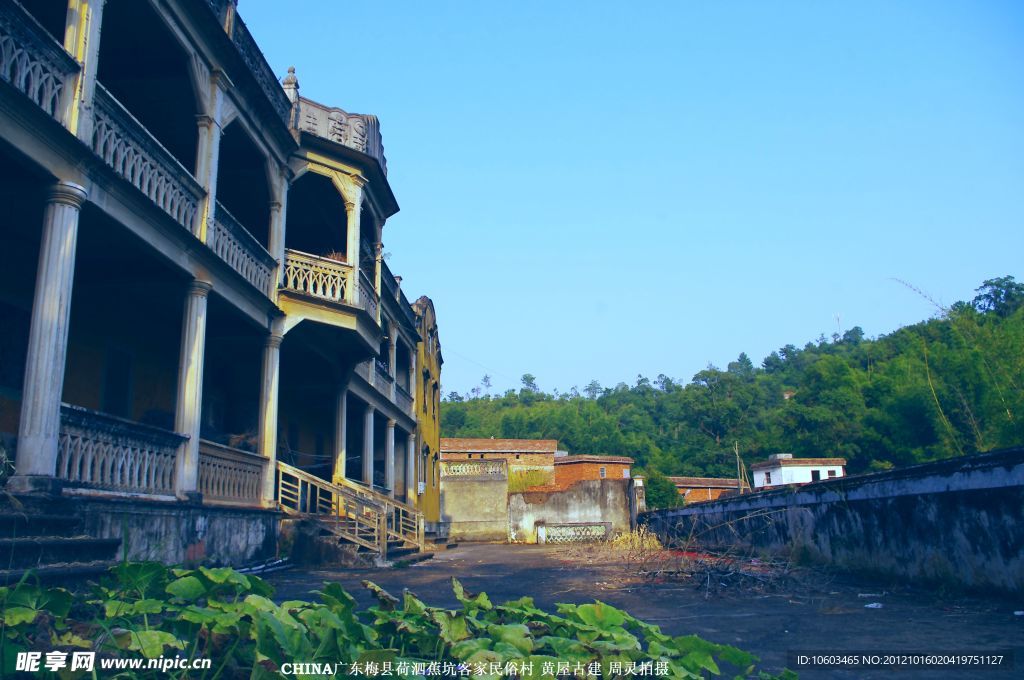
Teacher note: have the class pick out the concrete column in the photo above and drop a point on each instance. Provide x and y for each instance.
(278, 211)
(352, 253)
(188, 410)
(389, 459)
(268, 416)
(378, 259)
(48, 341)
(411, 483)
(82, 41)
(340, 434)
(368, 446)
(207, 162)
(413, 389)
(392, 355)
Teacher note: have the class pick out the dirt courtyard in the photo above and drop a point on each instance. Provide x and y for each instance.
(822, 614)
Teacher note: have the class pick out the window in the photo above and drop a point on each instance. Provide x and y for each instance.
(815, 475)
(603, 472)
(767, 478)
(831, 473)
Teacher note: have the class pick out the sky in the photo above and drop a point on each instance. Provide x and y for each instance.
(599, 190)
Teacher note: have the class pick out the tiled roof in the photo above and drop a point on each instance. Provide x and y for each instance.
(482, 445)
(704, 482)
(797, 462)
(623, 460)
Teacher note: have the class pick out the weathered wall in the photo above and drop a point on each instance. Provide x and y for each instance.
(567, 474)
(182, 534)
(474, 506)
(590, 501)
(959, 521)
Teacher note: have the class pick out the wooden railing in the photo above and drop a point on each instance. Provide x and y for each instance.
(318, 277)
(367, 295)
(404, 522)
(240, 249)
(32, 61)
(103, 452)
(354, 518)
(134, 154)
(228, 475)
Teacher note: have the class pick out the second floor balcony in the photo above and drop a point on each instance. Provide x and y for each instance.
(327, 279)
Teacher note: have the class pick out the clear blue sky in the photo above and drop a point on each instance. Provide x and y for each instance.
(605, 189)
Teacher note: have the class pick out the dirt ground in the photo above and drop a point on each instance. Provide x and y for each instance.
(815, 612)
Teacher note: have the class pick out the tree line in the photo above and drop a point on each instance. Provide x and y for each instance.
(947, 386)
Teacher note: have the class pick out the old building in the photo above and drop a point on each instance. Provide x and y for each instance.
(428, 413)
(572, 469)
(197, 312)
(782, 468)
(529, 462)
(698, 489)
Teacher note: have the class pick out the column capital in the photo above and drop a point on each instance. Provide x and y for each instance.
(197, 288)
(273, 341)
(205, 121)
(275, 205)
(392, 423)
(67, 193)
(369, 409)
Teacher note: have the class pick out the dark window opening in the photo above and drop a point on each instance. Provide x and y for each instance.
(815, 475)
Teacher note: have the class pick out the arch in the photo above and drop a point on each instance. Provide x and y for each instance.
(317, 222)
(243, 186)
(144, 65)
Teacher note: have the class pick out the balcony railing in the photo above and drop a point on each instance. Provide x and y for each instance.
(134, 154)
(367, 295)
(228, 475)
(363, 370)
(257, 63)
(235, 245)
(103, 452)
(32, 61)
(382, 370)
(318, 277)
(403, 399)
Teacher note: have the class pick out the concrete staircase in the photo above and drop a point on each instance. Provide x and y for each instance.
(45, 540)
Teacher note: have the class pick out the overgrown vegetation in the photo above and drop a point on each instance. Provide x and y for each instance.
(145, 610)
(944, 387)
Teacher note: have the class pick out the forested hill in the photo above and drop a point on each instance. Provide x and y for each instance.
(944, 387)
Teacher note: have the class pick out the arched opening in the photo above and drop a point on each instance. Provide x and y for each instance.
(147, 71)
(317, 222)
(242, 185)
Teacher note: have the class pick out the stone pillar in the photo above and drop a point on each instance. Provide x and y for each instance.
(368, 445)
(268, 416)
(392, 357)
(82, 41)
(340, 434)
(378, 259)
(188, 410)
(414, 391)
(411, 483)
(389, 459)
(352, 253)
(207, 162)
(48, 342)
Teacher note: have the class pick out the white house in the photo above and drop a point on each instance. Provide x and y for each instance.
(782, 468)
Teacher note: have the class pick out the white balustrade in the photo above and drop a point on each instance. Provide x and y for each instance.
(228, 475)
(472, 468)
(32, 61)
(318, 277)
(367, 295)
(235, 245)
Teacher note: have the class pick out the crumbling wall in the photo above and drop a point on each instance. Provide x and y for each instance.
(474, 501)
(604, 501)
(180, 533)
(956, 522)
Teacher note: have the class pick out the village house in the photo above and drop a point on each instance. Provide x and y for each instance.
(572, 469)
(782, 468)
(529, 462)
(698, 489)
(201, 331)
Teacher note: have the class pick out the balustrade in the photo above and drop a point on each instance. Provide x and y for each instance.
(134, 154)
(257, 63)
(100, 451)
(468, 468)
(228, 475)
(235, 245)
(32, 61)
(367, 295)
(403, 399)
(315, 276)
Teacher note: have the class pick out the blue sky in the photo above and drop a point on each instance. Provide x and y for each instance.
(597, 190)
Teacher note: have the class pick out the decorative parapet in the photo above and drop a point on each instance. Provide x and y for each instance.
(103, 452)
(493, 469)
(134, 154)
(32, 61)
(240, 250)
(257, 63)
(227, 475)
(318, 277)
(354, 130)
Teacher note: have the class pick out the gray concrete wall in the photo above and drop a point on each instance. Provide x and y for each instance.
(474, 507)
(176, 533)
(586, 502)
(958, 521)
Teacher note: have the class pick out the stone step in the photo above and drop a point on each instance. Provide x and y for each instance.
(15, 524)
(67, 573)
(32, 552)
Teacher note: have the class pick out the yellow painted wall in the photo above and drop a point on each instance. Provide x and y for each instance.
(427, 402)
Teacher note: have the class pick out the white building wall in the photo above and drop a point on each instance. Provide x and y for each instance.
(794, 474)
